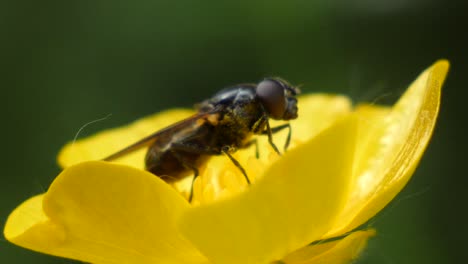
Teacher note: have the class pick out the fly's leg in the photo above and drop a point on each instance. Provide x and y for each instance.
(226, 150)
(190, 166)
(269, 132)
(176, 148)
(265, 121)
(278, 129)
(195, 176)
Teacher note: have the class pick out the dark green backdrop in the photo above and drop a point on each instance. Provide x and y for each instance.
(65, 63)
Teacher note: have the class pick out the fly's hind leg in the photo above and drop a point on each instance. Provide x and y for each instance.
(190, 166)
(176, 148)
(189, 148)
(195, 176)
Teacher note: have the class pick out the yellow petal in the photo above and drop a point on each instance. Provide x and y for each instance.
(104, 213)
(105, 143)
(29, 226)
(317, 112)
(294, 203)
(391, 143)
(335, 252)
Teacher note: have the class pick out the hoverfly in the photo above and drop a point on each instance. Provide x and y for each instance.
(223, 123)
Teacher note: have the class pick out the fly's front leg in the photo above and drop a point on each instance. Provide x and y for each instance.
(269, 132)
(258, 129)
(278, 129)
(259, 125)
(226, 150)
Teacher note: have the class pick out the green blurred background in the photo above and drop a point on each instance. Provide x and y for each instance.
(65, 63)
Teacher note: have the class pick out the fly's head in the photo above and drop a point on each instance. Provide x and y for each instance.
(278, 97)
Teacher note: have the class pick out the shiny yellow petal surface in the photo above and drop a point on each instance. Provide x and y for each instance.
(391, 143)
(110, 141)
(340, 251)
(317, 112)
(104, 213)
(295, 203)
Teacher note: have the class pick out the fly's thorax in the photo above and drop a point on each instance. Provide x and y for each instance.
(232, 129)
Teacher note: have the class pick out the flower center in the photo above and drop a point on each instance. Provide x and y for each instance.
(220, 178)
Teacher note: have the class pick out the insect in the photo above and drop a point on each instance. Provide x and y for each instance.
(223, 124)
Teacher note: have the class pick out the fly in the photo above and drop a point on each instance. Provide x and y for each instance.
(223, 124)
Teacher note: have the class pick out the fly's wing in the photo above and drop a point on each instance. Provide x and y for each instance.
(194, 120)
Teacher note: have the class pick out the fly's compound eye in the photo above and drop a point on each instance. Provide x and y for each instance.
(272, 96)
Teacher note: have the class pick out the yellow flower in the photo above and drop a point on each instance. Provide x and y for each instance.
(344, 165)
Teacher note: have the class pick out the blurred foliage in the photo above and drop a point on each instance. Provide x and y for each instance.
(65, 63)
